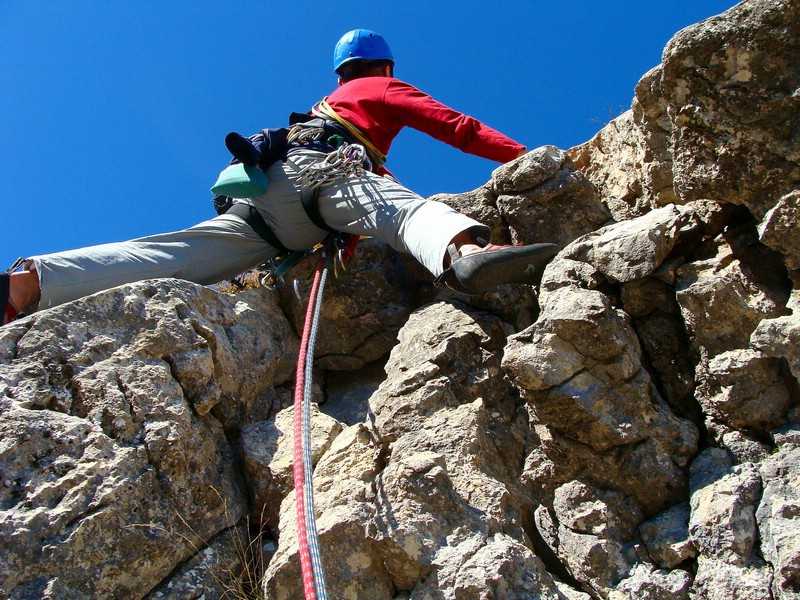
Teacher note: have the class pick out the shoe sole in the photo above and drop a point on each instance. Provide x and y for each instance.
(483, 271)
(5, 290)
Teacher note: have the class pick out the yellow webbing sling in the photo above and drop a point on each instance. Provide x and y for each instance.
(324, 110)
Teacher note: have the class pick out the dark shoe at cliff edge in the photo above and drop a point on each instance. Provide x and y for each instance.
(492, 265)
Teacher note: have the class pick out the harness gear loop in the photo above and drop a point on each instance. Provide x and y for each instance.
(324, 110)
(346, 160)
(341, 246)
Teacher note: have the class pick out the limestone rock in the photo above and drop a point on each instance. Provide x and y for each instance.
(542, 197)
(347, 393)
(667, 536)
(652, 115)
(567, 364)
(430, 515)
(720, 580)
(115, 467)
(218, 571)
(455, 359)
(777, 518)
(730, 89)
(722, 526)
(631, 249)
(505, 568)
(593, 527)
(779, 337)
(528, 171)
(656, 317)
(723, 299)
(627, 430)
(722, 522)
(741, 389)
(613, 161)
(778, 229)
(652, 584)
(363, 308)
(267, 449)
(343, 503)
(539, 197)
(715, 120)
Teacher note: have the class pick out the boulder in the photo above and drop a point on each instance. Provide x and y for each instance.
(115, 465)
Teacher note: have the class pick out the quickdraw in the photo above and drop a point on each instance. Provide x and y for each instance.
(346, 160)
(301, 134)
(342, 246)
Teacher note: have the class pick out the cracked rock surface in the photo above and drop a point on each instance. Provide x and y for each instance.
(628, 429)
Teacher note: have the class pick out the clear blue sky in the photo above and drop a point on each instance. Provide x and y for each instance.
(114, 113)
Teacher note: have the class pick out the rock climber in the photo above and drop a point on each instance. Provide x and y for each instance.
(370, 107)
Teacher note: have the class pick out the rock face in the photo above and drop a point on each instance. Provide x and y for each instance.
(716, 120)
(630, 429)
(116, 414)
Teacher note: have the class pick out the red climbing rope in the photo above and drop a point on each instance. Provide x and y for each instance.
(342, 249)
(310, 560)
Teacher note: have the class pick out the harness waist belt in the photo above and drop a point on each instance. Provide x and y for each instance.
(309, 197)
(253, 218)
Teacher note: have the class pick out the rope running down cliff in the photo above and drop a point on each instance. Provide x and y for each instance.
(308, 541)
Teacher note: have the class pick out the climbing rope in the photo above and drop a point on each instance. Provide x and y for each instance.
(308, 540)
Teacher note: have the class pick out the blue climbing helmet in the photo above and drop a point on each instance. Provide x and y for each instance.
(360, 44)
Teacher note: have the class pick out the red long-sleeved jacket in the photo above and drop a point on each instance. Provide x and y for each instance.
(381, 106)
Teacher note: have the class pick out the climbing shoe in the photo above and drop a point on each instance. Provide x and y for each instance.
(10, 312)
(493, 265)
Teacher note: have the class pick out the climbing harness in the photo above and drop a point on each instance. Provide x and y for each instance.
(252, 156)
(347, 159)
(325, 111)
(272, 274)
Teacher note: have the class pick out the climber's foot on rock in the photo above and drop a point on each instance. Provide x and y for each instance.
(485, 269)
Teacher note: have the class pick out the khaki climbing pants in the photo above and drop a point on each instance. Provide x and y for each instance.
(225, 246)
